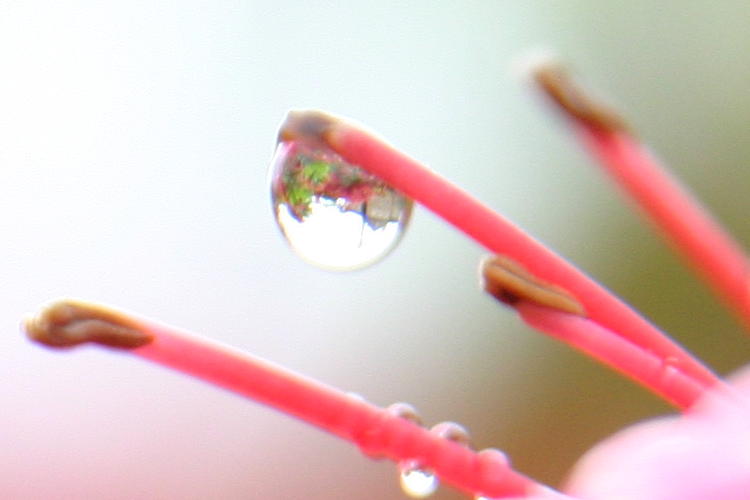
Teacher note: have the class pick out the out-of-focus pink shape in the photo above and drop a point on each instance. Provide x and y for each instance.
(687, 225)
(701, 455)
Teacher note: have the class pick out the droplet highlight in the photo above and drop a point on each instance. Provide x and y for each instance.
(405, 411)
(416, 482)
(334, 215)
(452, 432)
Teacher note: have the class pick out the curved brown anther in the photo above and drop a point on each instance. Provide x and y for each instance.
(578, 103)
(309, 126)
(66, 323)
(509, 282)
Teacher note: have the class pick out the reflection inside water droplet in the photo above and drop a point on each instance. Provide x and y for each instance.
(416, 482)
(333, 214)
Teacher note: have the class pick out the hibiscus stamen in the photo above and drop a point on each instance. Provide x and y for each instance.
(546, 309)
(499, 236)
(376, 431)
(688, 226)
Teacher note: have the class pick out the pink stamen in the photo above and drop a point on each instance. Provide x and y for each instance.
(377, 432)
(492, 231)
(703, 243)
(663, 377)
(543, 307)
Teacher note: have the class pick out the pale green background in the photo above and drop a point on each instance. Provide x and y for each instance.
(134, 140)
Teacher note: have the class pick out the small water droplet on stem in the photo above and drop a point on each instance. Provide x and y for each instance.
(416, 482)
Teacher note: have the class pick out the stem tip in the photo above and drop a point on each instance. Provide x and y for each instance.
(67, 323)
(307, 125)
(510, 283)
(555, 81)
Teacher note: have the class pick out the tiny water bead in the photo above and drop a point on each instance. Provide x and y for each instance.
(416, 482)
(452, 432)
(334, 215)
(405, 411)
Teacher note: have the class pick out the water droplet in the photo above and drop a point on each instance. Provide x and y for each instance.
(452, 432)
(333, 214)
(416, 482)
(405, 411)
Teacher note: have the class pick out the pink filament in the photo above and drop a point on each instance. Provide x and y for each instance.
(502, 237)
(376, 431)
(690, 229)
(662, 376)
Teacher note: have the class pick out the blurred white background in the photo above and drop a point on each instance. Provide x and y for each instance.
(134, 142)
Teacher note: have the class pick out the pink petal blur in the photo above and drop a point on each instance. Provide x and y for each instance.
(702, 455)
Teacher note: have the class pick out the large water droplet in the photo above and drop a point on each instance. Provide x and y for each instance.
(416, 482)
(333, 214)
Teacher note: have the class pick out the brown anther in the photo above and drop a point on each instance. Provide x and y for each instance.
(308, 126)
(66, 323)
(509, 282)
(556, 82)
